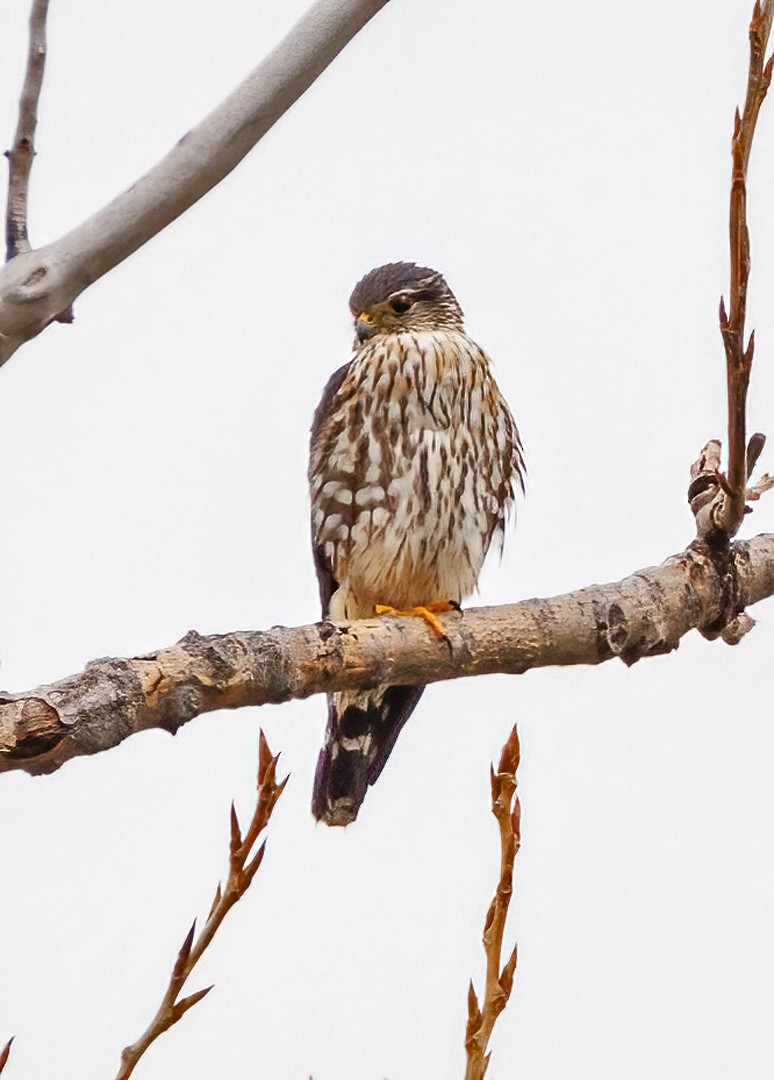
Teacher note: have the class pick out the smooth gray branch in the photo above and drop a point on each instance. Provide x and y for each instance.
(21, 155)
(39, 285)
(643, 615)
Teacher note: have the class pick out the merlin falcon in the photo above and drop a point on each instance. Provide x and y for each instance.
(415, 461)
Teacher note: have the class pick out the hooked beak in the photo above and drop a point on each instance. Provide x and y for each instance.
(365, 327)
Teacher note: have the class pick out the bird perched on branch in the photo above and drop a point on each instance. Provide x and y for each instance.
(415, 460)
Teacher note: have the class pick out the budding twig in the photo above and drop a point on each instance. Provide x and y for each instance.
(499, 980)
(723, 497)
(243, 866)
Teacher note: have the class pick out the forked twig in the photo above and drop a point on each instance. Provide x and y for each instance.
(23, 151)
(722, 498)
(499, 981)
(242, 870)
(5, 1052)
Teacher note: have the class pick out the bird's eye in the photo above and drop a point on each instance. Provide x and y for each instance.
(400, 303)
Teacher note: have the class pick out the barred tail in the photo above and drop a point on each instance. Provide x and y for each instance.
(362, 729)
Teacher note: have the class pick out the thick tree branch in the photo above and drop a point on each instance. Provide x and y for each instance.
(643, 615)
(21, 155)
(38, 285)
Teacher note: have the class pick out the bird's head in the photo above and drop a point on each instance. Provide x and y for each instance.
(403, 296)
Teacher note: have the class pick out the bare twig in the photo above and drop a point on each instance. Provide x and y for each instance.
(38, 286)
(644, 615)
(243, 866)
(499, 978)
(20, 156)
(725, 513)
(5, 1053)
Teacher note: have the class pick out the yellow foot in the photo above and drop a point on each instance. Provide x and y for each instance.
(427, 612)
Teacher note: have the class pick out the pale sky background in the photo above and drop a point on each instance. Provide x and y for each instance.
(566, 166)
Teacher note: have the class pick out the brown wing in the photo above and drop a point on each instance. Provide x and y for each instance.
(325, 579)
(501, 464)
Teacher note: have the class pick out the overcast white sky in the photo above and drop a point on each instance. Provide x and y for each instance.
(566, 166)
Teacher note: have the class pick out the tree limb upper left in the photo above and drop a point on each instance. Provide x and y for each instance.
(37, 286)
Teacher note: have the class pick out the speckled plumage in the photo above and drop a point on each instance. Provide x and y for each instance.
(414, 463)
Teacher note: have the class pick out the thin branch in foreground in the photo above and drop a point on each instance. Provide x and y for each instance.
(5, 1053)
(243, 866)
(499, 980)
(727, 509)
(21, 155)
